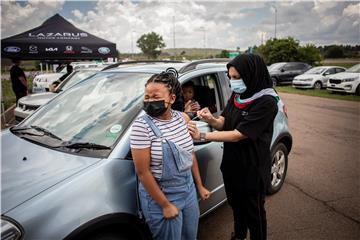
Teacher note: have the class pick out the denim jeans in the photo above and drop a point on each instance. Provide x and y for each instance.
(178, 186)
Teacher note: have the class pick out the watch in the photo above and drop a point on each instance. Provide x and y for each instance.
(202, 136)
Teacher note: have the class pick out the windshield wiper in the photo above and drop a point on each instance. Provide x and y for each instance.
(46, 132)
(85, 145)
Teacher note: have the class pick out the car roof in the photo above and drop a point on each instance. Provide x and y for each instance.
(157, 67)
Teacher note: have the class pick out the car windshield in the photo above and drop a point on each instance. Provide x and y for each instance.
(96, 111)
(355, 69)
(275, 66)
(75, 78)
(316, 70)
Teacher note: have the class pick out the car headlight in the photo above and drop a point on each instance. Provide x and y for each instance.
(9, 230)
(349, 79)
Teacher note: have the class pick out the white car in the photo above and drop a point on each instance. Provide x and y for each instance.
(42, 82)
(346, 82)
(28, 104)
(316, 77)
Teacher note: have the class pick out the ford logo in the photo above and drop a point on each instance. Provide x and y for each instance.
(12, 49)
(104, 50)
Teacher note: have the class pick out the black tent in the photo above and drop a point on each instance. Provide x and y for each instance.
(57, 39)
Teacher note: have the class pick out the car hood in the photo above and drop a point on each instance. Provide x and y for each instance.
(28, 169)
(307, 76)
(343, 75)
(37, 99)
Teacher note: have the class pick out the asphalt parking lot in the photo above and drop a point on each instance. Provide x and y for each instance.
(320, 198)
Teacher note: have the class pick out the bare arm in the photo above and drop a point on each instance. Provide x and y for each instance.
(142, 165)
(220, 136)
(217, 123)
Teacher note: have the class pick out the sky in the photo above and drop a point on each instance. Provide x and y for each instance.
(197, 24)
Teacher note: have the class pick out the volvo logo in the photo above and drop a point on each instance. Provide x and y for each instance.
(104, 50)
(12, 49)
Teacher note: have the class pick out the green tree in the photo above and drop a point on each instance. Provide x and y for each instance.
(310, 54)
(223, 54)
(334, 51)
(150, 44)
(288, 50)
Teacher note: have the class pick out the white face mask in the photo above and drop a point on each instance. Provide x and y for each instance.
(237, 85)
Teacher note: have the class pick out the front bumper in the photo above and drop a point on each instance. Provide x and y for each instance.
(21, 113)
(302, 84)
(345, 87)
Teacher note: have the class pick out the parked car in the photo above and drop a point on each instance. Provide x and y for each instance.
(42, 82)
(346, 82)
(67, 170)
(28, 104)
(316, 77)
(284, 72)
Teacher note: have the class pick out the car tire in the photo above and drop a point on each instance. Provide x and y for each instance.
(279, 163)
(274, 80)
(317, 85)
(357, 91)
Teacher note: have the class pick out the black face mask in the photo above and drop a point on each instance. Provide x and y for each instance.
(154, 108)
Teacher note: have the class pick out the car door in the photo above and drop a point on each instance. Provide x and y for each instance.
(209, 154)
(287, 73)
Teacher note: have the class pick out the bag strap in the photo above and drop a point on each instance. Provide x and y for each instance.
(152, 125)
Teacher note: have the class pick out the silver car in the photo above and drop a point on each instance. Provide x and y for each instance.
(67, 170)
(28, 104)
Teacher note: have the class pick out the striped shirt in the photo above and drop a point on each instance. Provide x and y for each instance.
(174, 130)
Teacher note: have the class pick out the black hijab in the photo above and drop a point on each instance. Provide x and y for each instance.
(253, 71)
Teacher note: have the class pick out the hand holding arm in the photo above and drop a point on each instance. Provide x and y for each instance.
(142, 165)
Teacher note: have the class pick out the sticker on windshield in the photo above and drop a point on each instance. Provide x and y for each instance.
(116, 128)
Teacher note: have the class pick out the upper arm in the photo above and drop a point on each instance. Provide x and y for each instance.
(141, 159)
(186, 117)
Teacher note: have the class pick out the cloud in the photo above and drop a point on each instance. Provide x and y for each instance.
(17, 18)
(215, 24)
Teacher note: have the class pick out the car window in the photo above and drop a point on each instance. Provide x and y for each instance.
(330, 71)
(290, 66)
(96, 110)
(316, 70)
(75, 78)
(207, 92)
(340, 70)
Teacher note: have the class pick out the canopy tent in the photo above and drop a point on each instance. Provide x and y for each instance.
(57, 39)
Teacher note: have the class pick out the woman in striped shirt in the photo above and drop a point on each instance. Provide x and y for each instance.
(165, 163)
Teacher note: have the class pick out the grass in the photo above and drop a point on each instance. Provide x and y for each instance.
(318, 93)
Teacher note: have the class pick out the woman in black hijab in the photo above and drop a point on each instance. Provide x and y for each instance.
(246, 127)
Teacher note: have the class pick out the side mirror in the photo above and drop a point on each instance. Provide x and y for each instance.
(326, 73)
(282, 70)
(202, 127)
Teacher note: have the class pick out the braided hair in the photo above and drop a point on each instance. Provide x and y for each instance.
(169, 77)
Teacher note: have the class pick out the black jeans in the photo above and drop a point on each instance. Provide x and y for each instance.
(248, 209)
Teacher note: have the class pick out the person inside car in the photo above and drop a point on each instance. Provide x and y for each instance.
(246, 128)
(191, 105)
(54, 85)
(165, 163)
